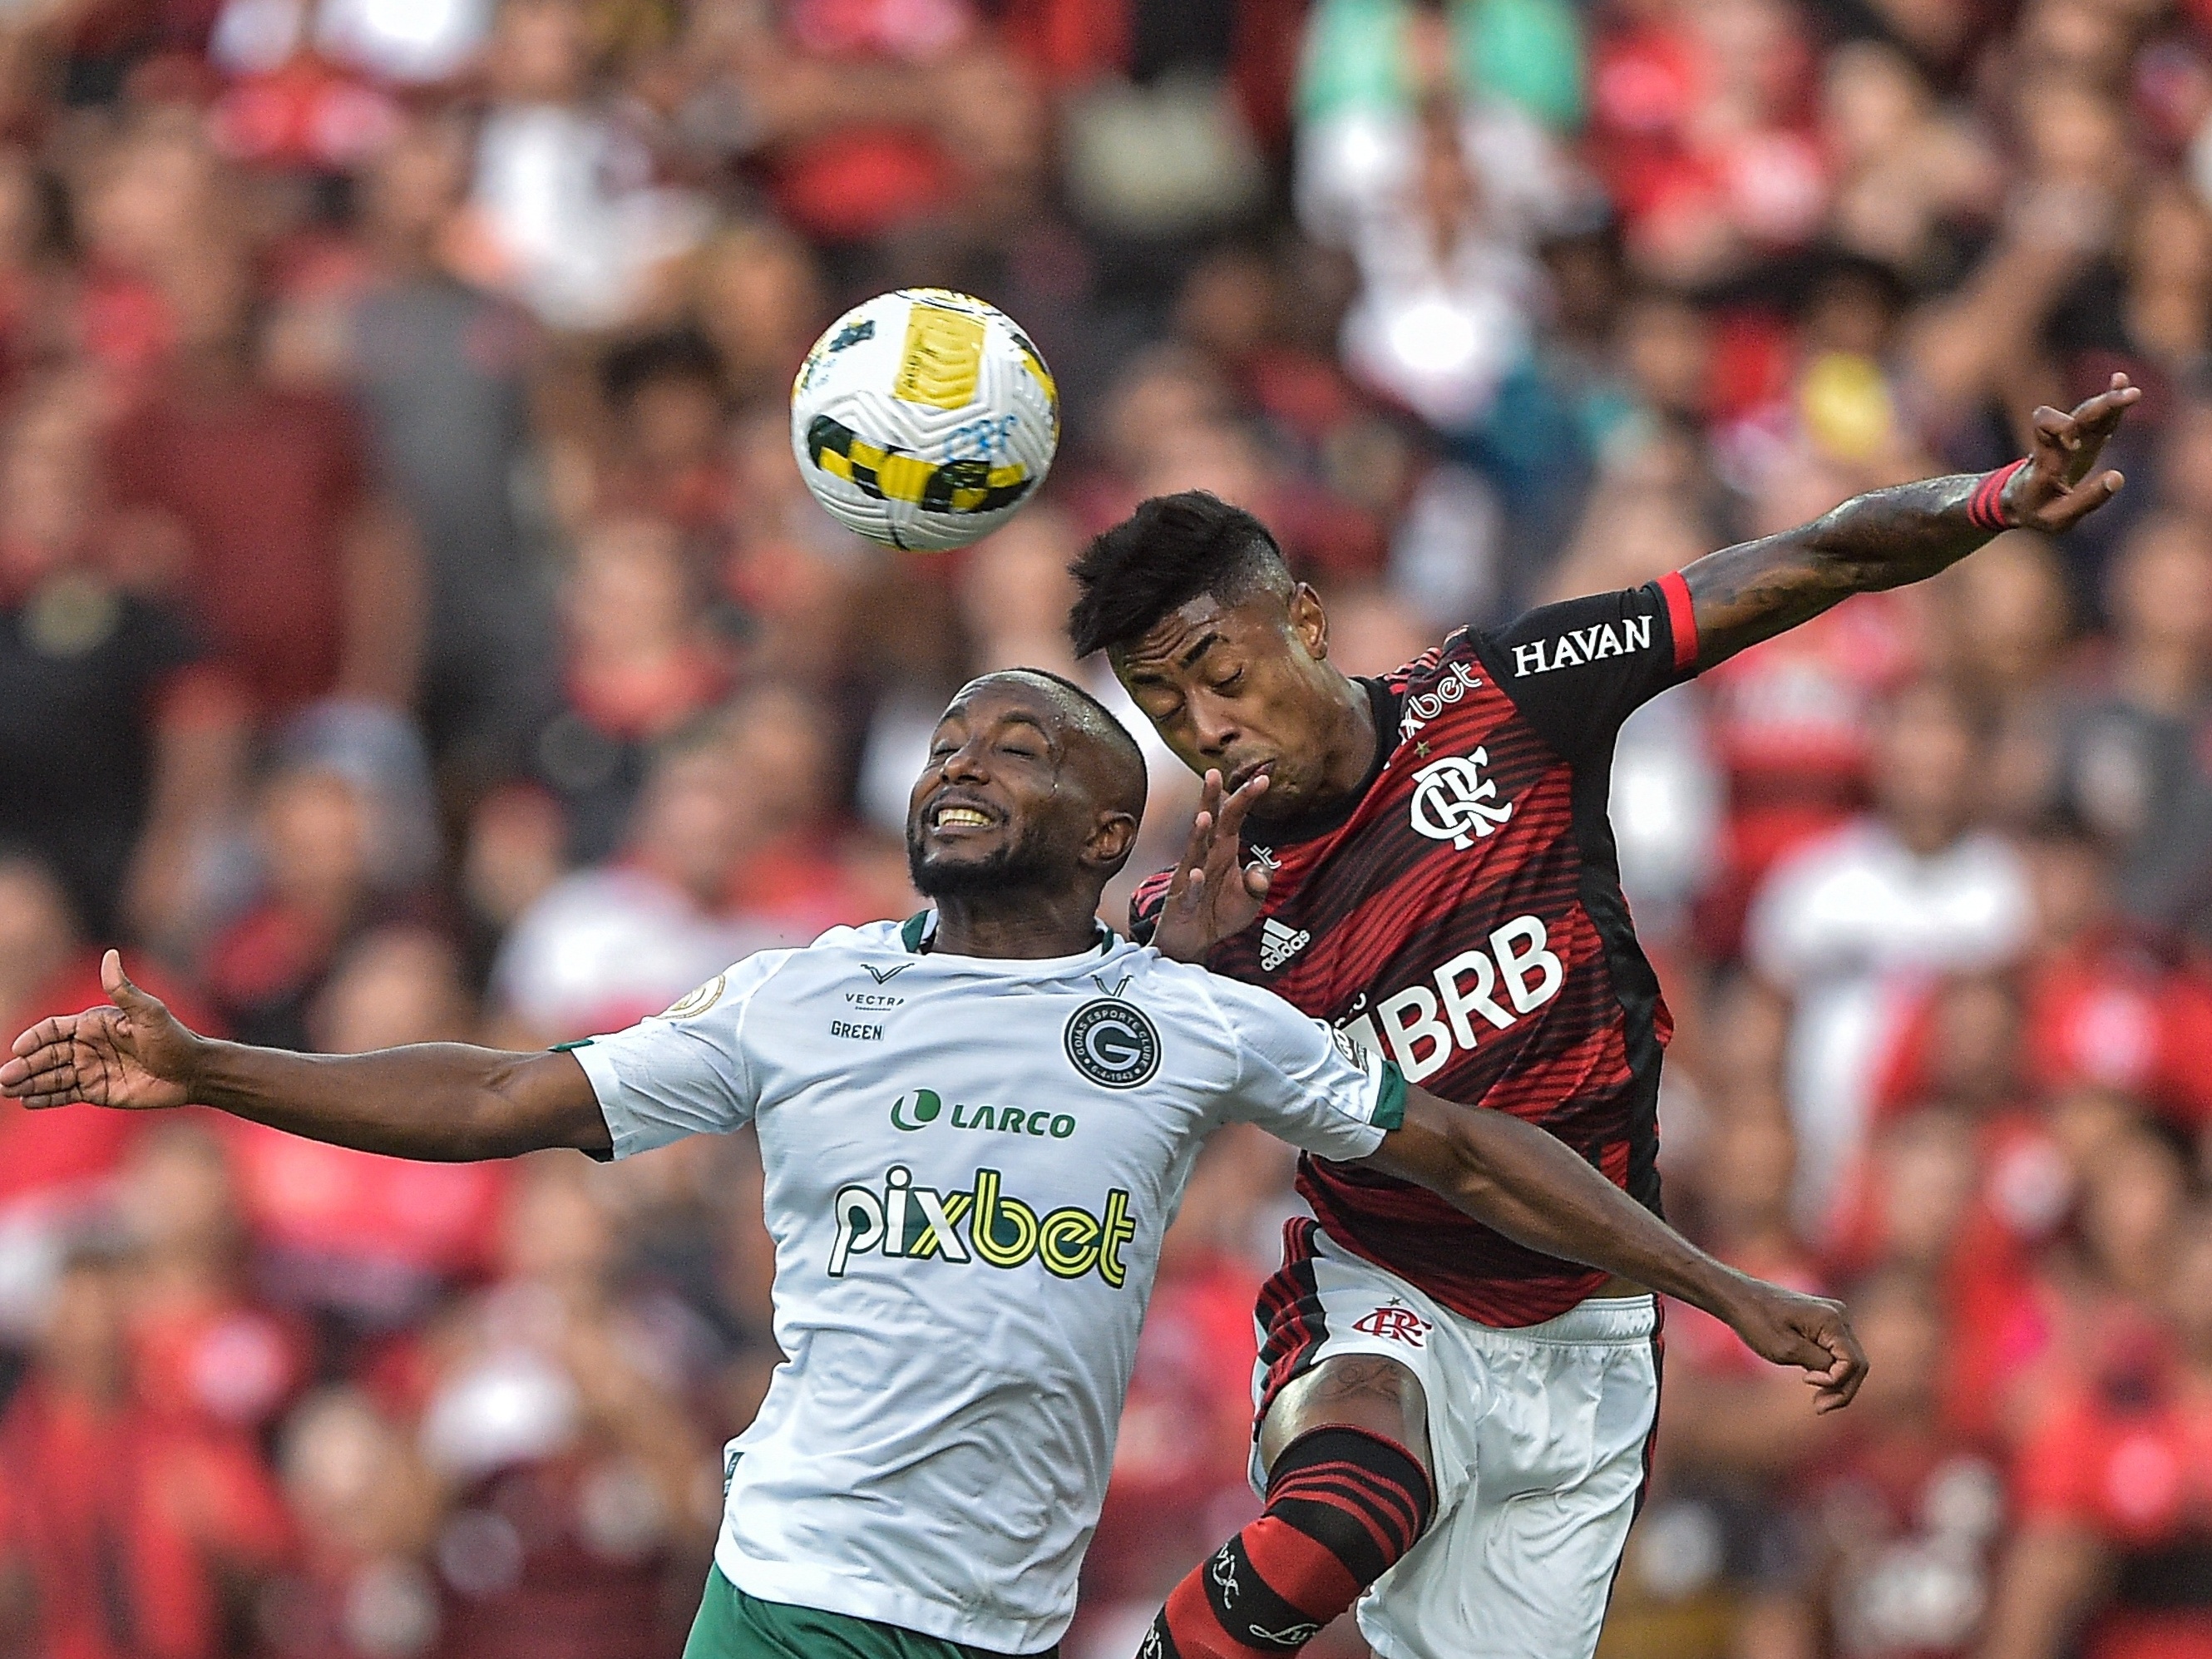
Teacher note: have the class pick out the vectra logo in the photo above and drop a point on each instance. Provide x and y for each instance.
(895, 1217)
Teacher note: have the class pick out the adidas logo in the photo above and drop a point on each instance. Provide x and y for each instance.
(1278, 944)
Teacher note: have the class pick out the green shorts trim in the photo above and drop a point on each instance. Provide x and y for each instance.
(733, 1625)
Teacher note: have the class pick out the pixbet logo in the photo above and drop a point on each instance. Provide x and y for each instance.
(1452, 799)
(1423, 1025)
(895, 1217)
(1396, 1322)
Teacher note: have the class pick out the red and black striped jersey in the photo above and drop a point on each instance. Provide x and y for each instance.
(1462, 911)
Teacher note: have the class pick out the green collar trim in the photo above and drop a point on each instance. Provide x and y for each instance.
(915, 932)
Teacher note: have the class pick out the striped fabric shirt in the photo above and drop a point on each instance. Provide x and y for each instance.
(1463, 913)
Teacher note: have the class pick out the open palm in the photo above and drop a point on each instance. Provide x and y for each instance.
(1211, 897)
(133, 1055)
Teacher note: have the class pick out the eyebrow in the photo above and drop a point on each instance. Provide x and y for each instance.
(1018, 717)
(1206, 641)
(1011, 717)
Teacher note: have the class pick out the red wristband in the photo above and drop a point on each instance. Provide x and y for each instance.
(1985, 508)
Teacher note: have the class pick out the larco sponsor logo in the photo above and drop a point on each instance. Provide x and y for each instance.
(896, 1219)
(1424, 1026)
(1113, 1043)
(1582, 645)
(1453, 801)
(919, 1107)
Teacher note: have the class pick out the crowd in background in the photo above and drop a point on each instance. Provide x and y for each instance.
(413, 626)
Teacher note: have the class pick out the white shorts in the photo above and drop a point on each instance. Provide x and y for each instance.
(1539, 1435)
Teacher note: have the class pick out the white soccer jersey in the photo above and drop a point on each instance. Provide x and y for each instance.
(970, 1165)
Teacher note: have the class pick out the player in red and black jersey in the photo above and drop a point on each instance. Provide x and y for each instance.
(1426, 860)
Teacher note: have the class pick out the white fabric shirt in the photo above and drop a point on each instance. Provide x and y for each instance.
(1849, 925)
(934, 1452)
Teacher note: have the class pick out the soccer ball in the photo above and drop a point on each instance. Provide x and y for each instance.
(924, 419)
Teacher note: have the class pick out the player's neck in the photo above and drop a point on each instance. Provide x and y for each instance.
(1017, 925)
(1347, 747)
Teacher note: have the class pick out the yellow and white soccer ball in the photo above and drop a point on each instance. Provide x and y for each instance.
(924, 419)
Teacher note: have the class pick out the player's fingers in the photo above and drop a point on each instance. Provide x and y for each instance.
(1234, 809)
(1195, 853)
(2104, 410)
(30, 1070)
(46, 1033)
(2057, 434)
(2082, 499)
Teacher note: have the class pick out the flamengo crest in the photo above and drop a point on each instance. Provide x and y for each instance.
(1452, 800)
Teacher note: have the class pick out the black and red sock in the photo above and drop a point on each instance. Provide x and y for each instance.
(1343, 1506)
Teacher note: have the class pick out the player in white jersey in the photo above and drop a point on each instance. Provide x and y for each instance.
(976, 1128)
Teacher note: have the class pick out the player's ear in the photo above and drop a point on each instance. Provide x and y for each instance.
(1308, 622)
(1112, 838)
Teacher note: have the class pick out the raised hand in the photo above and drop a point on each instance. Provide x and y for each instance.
(2059, 487)
(133, 1055)
(1810, 1332)
(1211, 898)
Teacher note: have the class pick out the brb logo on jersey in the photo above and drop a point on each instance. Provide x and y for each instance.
(1113, 1043)
(1424, 1026)
(1453, 801)
(898, 1219)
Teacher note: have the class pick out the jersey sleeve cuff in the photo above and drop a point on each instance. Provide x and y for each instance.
(1682, 620)
(606, 1086)
(1389, 1112)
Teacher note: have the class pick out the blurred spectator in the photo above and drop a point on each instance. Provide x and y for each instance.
(608, 945)
(306, 585)
(640, 664)
(569, 216)
(2116, 1496)
(2130, 740)
(367, 1509)
(373, 1240)
(205, 1348)
(443, 372)
(121, 743)
(586, 1498)
(124, 1529)
(1845, 923)
(1900, 1521)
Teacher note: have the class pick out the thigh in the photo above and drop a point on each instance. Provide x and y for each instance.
(1342, 1343)
(1522, 1565)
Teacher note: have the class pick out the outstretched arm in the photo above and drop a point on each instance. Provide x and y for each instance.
(449, 1102)
(1888, 538)
(1531, 1186)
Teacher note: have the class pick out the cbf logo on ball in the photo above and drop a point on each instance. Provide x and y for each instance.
(1113, 1043)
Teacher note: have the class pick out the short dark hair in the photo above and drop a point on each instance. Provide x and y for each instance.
(1169, 551)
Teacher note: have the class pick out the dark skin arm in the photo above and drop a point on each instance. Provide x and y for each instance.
(1890, 538)
(1531, 1186)
(446, 1102)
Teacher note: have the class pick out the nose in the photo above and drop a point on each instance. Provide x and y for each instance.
(965, 765)
(1213, 727)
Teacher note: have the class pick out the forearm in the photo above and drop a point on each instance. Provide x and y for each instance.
(445, 1101)
(1530, 1186)
(1884, 538)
